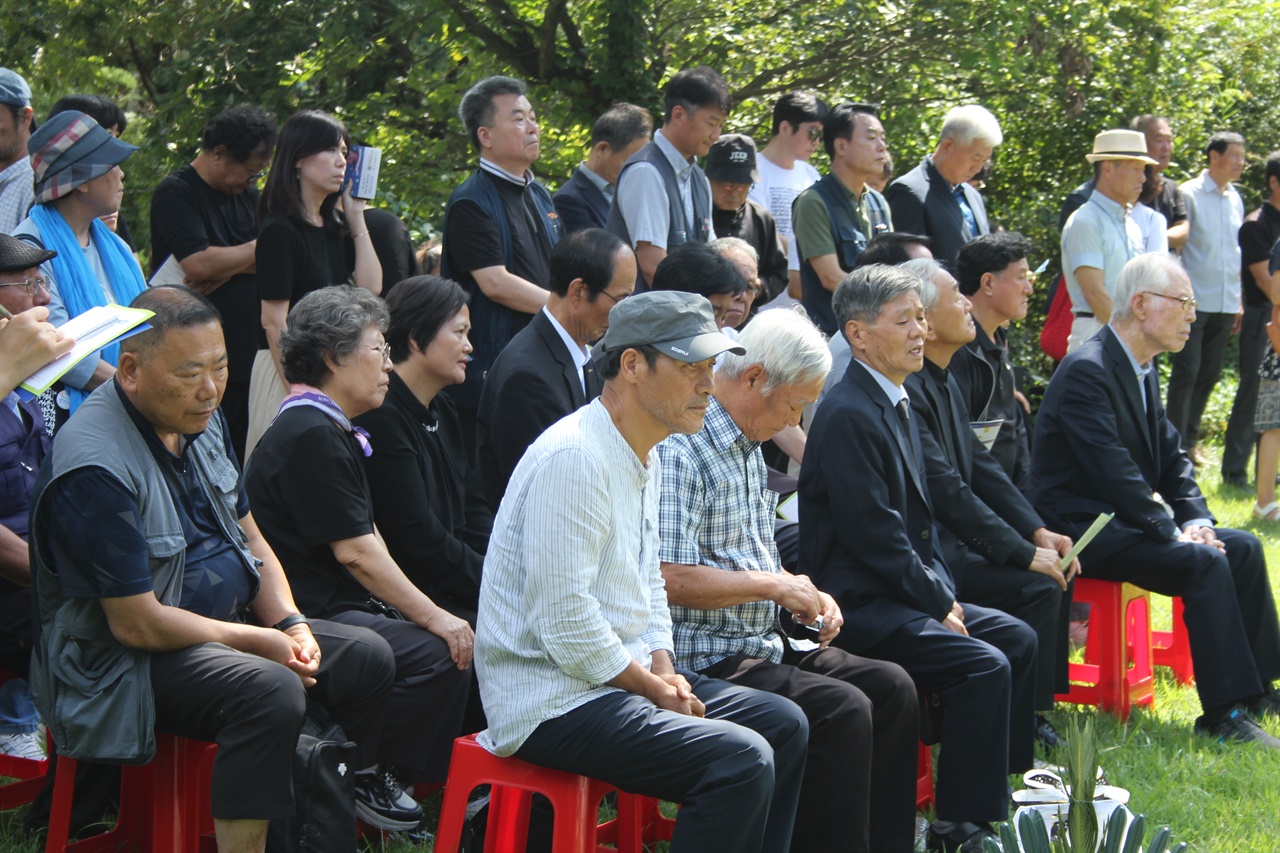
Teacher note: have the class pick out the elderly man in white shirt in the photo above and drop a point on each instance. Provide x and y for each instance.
(574, 644)
(1211, 258)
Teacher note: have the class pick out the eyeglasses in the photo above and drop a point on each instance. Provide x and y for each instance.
(815, 133)
(1189, 303)
(385, 350)
(616, 299)
(30, 285)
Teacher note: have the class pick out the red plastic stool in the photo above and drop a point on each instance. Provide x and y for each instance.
(924, 777)
(164, 805)
(1116, 674)
(574, 799)
(28, 771)
(1172, 649)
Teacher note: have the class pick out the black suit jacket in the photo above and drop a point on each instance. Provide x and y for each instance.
(580, 204)
(977, 506)
(1096, 450)
(532, 384)
(921, 203)
(866, 526)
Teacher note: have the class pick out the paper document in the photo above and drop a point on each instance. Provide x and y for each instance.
(986, 431)
(1098, 523)
(92, 330)
(170, 272)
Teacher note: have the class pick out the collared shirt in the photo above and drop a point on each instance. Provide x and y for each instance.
(1154, 228)
(717, 510)
(577, 352)
(606, 188)
(1211, 254)
(642, 196)
(1102, 235)
(895, 393)
(1140, 371)
(494, 169)
(571, 591)
(17, 192)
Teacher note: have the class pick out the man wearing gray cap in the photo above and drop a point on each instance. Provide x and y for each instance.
(16, 192)
(573, 642)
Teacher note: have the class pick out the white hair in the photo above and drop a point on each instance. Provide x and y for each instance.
(971, 123)
(925, 269)
(786, 343)
(728, 244)
(1151, 271)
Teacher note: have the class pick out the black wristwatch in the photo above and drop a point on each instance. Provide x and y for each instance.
(289, 621)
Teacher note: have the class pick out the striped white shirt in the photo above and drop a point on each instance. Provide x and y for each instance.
(571, 591)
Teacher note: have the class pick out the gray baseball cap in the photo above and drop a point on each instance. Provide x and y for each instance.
(681, 325)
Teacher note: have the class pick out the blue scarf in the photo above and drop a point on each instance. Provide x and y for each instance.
(75, 280)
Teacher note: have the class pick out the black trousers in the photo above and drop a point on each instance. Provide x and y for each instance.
(1032, 598)
(428, 697)
(253, 709)
(859, 788)
(736, 772)
(1230, 615)
(986, 682)
(1241, 436)
(1196, 370)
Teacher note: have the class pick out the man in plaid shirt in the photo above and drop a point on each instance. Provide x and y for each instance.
(725, 586)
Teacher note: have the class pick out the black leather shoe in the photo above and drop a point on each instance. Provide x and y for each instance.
(1236, 481)
(1238, 726)
(963, 837)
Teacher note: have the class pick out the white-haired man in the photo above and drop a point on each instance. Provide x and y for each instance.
(935, 198)
(1103, 444)
(726, 586)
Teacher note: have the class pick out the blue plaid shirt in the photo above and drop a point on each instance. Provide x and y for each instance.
(716, 509)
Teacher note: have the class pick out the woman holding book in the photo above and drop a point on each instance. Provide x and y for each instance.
(304, 243)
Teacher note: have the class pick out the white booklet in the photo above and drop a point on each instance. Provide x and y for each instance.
(92, 330)
(170, 272)
(986, 431)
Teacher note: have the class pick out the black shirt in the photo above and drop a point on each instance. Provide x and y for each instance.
(393, 246)
(984, 374)
(187, 217)
(307, 487)
(425, 502)
(1257, 236)
(99, 550)
(295, 258)
(753, 223)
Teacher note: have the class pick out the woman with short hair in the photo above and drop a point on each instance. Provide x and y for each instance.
(309, 492)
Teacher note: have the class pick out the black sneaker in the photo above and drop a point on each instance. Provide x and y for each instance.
(963, 837)
(1238, 726)
(1046, 735)
(383, 804)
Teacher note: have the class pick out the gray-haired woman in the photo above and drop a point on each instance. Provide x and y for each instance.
(306, 483)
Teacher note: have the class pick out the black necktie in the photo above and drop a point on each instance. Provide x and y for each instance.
(904, 417)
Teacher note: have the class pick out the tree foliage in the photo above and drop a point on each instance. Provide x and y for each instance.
(1056, 72)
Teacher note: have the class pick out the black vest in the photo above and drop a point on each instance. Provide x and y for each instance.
(849, 238)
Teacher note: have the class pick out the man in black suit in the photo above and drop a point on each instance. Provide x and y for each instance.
(1104, 444)
(999, 551)
(583, 200)
(867, 538)
(545, 372)
(935, 198)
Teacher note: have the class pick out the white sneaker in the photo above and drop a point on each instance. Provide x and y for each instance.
(23, 745)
